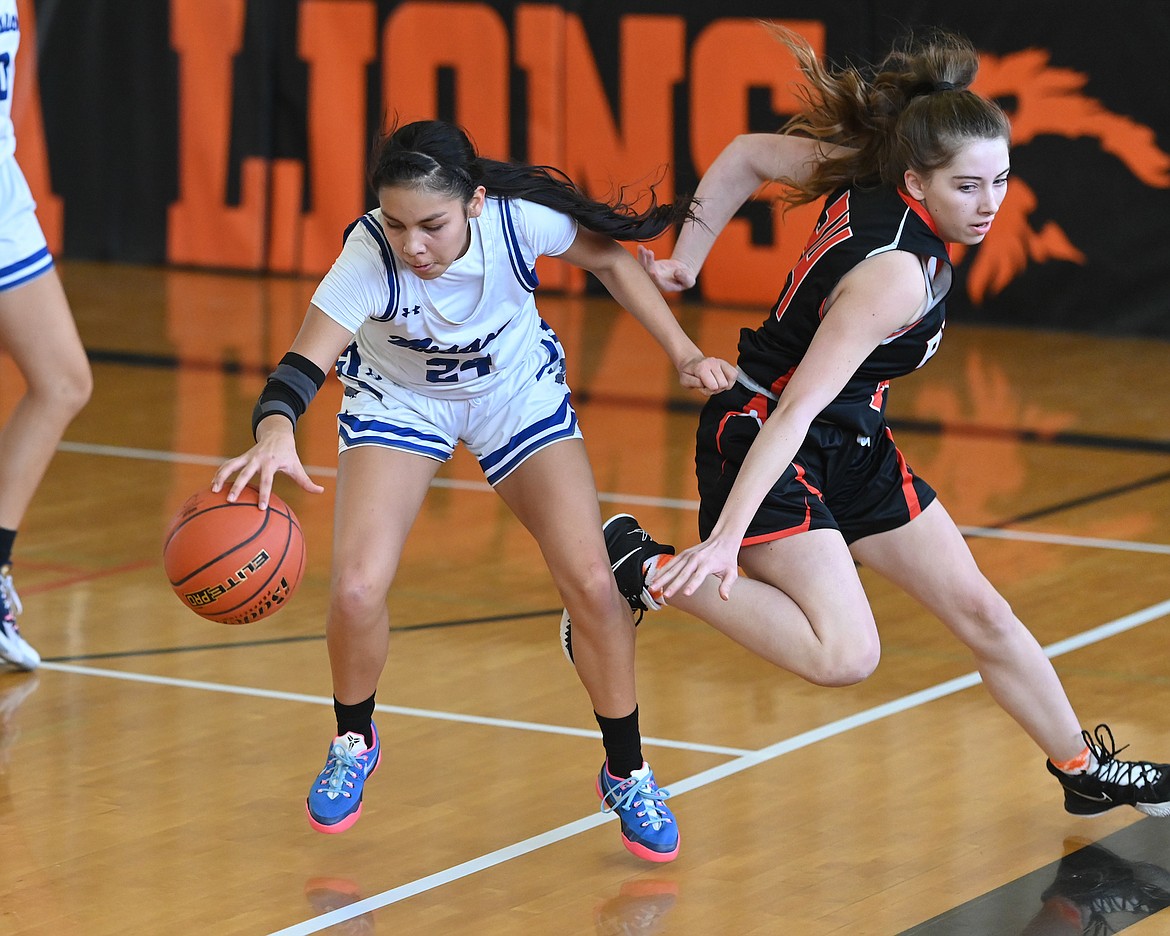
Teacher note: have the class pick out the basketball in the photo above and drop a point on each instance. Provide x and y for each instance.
(232, 562)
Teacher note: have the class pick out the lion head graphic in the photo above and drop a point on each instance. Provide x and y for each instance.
(1049, 100)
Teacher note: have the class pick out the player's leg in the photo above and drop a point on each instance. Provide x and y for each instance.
(38, 332)
(930, 560)
(379, 493)
(553, 494)
(802, 608)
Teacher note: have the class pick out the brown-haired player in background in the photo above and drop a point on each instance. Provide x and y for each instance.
(38, 332)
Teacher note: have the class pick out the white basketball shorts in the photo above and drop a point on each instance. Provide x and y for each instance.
(23, 251)
(527, 410)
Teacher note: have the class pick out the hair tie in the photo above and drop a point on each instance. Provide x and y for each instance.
(930, 87)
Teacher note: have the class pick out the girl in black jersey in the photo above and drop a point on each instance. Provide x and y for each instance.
(798, 472)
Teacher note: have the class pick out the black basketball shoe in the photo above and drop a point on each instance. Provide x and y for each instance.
(1101, 883)
(629, 548)
(1140, 784)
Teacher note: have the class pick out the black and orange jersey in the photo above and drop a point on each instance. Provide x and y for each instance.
(856, 224)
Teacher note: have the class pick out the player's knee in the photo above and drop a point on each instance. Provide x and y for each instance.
(847, 663)
(985, 619)
(355, 597)
(73, 393)
(65, 392)
(77, 388)
(590, 593)
(589, 583)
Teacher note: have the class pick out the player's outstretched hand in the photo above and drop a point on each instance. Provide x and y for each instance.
(668, 275)
(275, 450)
(690, 568)
(708, 374)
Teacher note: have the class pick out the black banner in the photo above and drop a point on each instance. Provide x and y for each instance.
(234, 133)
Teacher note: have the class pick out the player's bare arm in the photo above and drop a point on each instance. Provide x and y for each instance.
(746, 163)
(320, 340)
(625, 280)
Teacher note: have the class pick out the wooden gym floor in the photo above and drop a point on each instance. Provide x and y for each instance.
(153, 772)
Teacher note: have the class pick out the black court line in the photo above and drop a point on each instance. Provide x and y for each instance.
(1084, 500)
(171, 362)
(1110, 885)
(932, 427)
(682, 405)
(303, 638)
(1012, 434)
(1104, 494)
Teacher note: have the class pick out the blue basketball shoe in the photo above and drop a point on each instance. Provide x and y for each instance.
(648, 827)
(335, 801)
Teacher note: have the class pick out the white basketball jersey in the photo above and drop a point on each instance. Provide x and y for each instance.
(9, 40)
(443, 341)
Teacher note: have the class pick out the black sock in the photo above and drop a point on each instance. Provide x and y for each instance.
(7, 538)
(623, 743)
(357, 718)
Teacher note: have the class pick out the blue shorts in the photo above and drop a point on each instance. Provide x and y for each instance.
(837, 481)
(24, 254)
(526, 410)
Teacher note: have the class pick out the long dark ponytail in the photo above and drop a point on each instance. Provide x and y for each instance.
(439, 157)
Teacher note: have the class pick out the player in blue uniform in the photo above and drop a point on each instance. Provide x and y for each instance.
(798, 473)
(430, 307)
(38, 332)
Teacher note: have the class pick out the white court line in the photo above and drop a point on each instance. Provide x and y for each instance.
(740, 764)
(1057, 539)
(742, 760)
(1064, 540)
(404, 711)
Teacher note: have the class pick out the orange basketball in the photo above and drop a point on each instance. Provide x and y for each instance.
(232, 562)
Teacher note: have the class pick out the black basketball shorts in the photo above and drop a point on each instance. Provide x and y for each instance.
(837, 481)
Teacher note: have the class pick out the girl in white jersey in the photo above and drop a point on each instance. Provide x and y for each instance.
(38, 332)
(429, 316)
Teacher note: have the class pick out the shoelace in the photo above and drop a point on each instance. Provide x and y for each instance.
(632, 793)
(8, 590)
(1112, 770)
(1134, 902)
(340, 763)
(1098, 925)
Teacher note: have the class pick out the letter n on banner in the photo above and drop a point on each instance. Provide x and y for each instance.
(729, 58)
